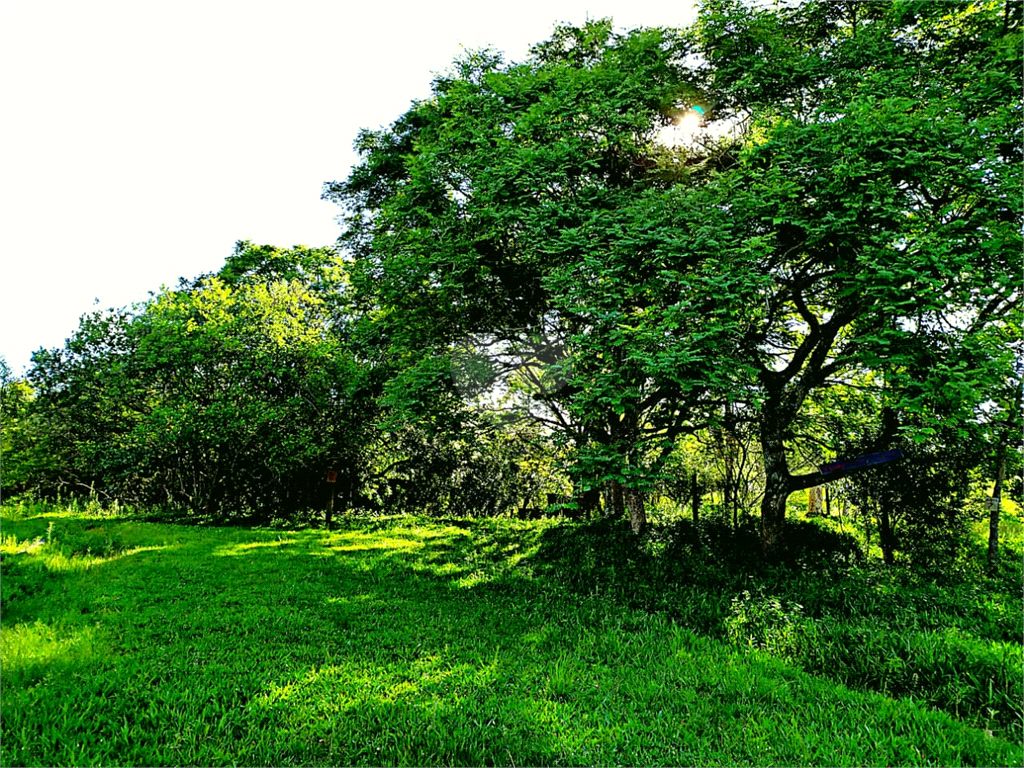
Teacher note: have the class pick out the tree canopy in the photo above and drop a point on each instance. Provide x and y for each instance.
(861, 217)
(632, 264)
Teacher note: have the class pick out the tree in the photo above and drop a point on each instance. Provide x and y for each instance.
(1004, 427)
(481, 210)
(864, 204)
(84, 403)
(227, 395)
(21, 443)
(882, 169)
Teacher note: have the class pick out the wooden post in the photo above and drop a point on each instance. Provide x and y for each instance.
(814, 501)
(332, 481)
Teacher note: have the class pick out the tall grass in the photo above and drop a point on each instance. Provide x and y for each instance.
(953, 643)
(403, 641)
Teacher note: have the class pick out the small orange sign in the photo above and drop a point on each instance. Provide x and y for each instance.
(332, 476)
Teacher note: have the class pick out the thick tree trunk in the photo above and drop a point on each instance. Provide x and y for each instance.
(777, 485)
(637, 513)
(773, 517)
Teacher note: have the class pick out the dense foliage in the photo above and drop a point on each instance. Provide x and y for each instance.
(229, 391)
(550, 295)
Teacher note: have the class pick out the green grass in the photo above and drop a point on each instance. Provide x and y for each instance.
(401, 641)
(952, 642)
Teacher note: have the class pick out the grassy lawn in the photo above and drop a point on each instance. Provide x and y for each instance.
(405, 642)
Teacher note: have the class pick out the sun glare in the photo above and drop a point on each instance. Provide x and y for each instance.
(681, 130)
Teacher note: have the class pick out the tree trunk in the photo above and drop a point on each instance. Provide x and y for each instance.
(1010, 427)
(865, 517)
(726, 503)
(586, 502)
(828, 502)
(995, 505)
(886, 537)
(613, 505)
(635, 504)
(330, 507)
(814, 501)
(727, 489)
(776, 487)
(695, 497)
(773, 517)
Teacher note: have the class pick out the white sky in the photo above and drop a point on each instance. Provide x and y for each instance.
(139, 140)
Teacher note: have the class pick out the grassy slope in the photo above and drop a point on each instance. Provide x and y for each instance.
(397, 642)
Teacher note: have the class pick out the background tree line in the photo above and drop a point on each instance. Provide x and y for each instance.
(540, 302)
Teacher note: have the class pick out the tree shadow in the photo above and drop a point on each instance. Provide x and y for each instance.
(710, 559)
(819, 605)
(208, 628)
(409, 644)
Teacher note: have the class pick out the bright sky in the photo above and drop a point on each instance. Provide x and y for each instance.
(140, 139)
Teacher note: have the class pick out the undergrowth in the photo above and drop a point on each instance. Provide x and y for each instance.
(952, 642)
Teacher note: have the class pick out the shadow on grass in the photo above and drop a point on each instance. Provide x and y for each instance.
(677, 564)
(954, 644)
(405, 643)
(208, 644)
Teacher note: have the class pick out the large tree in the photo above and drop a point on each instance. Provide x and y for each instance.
(882, 165)
(859, 210)
(460, 215)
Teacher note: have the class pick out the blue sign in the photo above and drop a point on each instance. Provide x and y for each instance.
(861, 461)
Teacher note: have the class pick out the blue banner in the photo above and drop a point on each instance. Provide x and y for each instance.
(861, 461)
